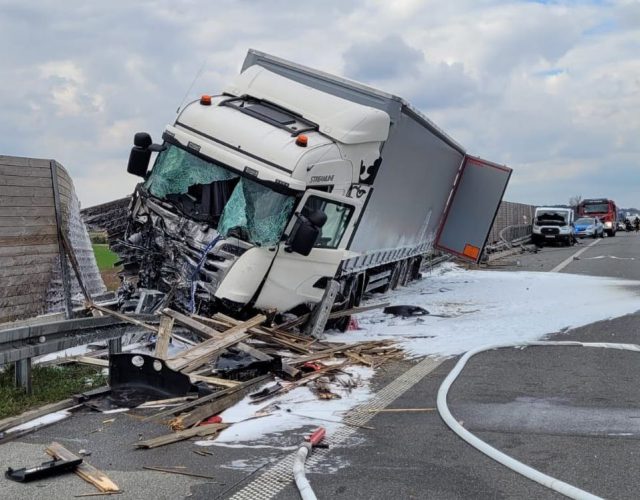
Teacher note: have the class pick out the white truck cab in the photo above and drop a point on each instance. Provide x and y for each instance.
(552, 224)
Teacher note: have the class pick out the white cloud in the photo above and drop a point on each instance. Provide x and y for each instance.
(552, 89)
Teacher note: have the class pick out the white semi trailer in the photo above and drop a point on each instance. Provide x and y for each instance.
(291, 178)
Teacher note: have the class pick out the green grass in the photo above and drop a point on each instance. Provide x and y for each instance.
(50, 384)
(104, 257)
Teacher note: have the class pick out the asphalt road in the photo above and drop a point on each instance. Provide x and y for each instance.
(573, 413)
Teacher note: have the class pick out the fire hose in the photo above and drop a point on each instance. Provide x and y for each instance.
(304, 487)
(510, 462)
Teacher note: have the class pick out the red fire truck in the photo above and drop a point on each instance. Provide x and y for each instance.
(603, 209)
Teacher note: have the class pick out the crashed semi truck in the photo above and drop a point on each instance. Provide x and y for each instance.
(291, 179)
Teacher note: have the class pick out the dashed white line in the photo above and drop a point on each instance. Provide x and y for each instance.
(570, 259)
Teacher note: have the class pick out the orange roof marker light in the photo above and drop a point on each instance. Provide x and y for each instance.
(205, 100)
(302, 141)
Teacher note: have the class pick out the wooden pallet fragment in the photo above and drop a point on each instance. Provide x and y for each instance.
(85, 470)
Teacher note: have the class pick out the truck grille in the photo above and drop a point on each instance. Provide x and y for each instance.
(550, 230)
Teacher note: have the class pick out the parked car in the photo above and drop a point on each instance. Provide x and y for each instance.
(589, 226)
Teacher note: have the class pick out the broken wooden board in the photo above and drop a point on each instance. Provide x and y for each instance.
(85, 470)
(124, 317)
(223, 382)
(164, 336)
(193, 358)
(204, 399)
(9, 422)
(208, 409)
(200, 431)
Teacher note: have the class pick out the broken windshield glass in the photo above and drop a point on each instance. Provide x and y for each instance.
(206, 191)
(175, 170)
(256, 213)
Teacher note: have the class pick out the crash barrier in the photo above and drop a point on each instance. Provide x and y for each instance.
(20, 343)
(510, 462)
(40, 209)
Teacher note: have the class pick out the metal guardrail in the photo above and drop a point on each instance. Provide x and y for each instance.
(510, 236)
(20, 344)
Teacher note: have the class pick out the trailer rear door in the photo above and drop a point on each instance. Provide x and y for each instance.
(472, 208)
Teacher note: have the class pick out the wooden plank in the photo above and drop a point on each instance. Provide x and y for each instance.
(223, 382)
(25, 191)
(192, 324)
(86, 360)
(25, 181)
(28, 260)
(28, 231)
(124, 317)
(20, 250)
(253, 352)
(18, 220)
(85, 470)
(164, 335)
(216, 406)
(20, 161)
(13, 241)
(201, 431)
(38, 278)
(26, 201)
(37, 297)
(24, 171)
(25, 270)
(23, 161)
(23, 418)
(193, 358)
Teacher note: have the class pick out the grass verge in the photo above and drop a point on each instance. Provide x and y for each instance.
(105, 258)
(50, 384)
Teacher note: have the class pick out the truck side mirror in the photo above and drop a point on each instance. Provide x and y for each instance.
(306, 231)
(140, 154)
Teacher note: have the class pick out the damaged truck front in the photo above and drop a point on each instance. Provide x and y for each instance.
(290, 179)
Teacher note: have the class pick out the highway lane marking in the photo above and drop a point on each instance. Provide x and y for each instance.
(570, 259)
(278, 477)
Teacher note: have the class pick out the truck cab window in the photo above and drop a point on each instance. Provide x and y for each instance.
(338, 217)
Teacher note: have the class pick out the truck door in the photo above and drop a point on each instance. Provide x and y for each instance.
(472, 208)
(295, 279)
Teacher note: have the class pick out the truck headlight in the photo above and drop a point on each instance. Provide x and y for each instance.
(608, 224)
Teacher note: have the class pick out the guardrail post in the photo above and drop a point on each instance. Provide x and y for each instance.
(23, 374)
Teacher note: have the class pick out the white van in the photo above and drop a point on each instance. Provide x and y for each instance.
(553, 224)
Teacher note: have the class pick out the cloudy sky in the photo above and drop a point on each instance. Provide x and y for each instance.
(550, 88)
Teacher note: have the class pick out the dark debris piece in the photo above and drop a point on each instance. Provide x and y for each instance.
(405, 311)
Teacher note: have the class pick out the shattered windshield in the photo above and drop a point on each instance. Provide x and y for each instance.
(208, 192)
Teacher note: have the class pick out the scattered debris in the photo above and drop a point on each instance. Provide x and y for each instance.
(405, 311)
(85, 470)
(175, 470)
(45, 469)
(204, 430)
